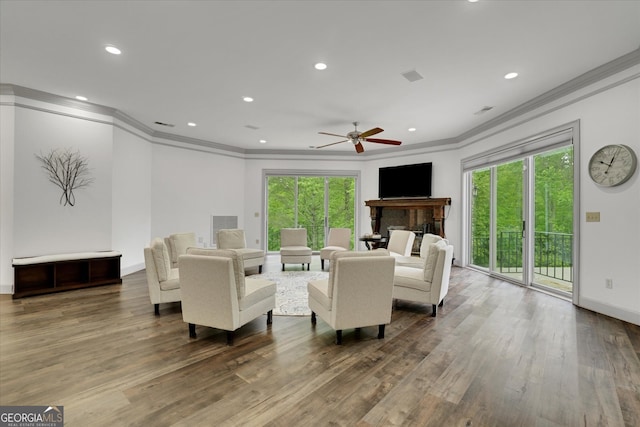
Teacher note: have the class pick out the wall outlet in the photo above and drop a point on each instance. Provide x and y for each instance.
(593, 216)
(609, 283)
(257, 241)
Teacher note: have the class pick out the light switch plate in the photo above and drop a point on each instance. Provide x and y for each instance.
(593, 216)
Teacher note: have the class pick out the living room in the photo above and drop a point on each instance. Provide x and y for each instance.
(150, 183)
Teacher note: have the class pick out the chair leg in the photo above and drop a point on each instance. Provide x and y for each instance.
(269, 317)
(380, 331)
(259, 269)
(230, 336)
(156, 309)
(322, 264)
(192, 330)
(313, 318)
(308, 266)
(442, 303)
(339, 337)
(435, 310)
(282, 267)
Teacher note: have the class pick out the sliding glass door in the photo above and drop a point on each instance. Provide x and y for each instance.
(316, 203)
(521, 219)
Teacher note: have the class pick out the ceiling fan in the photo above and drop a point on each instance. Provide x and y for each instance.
(356, 138)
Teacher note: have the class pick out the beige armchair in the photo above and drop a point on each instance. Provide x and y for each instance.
(215, 292)
(339, 240)
(177, 245)
(401, 243)
(429, 284)
(418, 261)
(357, 293)
(234, 239)
(162, 279)
(293, 247)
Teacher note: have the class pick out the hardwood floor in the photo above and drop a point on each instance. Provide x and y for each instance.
(496, 355)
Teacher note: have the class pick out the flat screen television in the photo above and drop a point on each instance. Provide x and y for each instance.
(405, 181)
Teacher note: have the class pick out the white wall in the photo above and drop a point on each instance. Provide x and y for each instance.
(7, 117)
(131, 192)
(189, 185)
(41, 225)
(609, 113)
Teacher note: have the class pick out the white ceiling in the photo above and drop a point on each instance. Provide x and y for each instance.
(194, 61)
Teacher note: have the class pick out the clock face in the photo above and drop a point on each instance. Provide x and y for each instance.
(612, 165)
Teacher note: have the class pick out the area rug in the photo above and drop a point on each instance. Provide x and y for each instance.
(291, 295)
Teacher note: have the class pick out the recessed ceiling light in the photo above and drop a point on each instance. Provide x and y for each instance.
(320, 66)
(82, 98)
(411, 129)
(510, 76)
(113, 50)
(247, 99)
(263, 141)
(472, 1)
(192, 124)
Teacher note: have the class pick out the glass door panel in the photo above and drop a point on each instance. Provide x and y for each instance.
(508, 256)
(553, 219)
(480, 217)
(281, 208)
(341, 204)
(311, 209)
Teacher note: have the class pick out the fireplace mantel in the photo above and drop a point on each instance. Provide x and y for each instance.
(417, 213)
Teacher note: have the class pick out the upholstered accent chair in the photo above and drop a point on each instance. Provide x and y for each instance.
(401, 242)
(429, 284)
(339, 240)
(358, 292)
(177, 245)
(293, 247)
(215, 292)
(234, 239)
(162, 279)
(418, 261)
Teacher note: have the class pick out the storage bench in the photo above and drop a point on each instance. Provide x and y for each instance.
(61, 272)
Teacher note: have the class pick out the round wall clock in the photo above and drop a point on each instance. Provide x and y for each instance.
(612, 165)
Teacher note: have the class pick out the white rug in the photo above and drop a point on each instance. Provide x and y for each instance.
(291, 295)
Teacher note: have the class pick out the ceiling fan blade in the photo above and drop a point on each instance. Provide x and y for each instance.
(371, 132)
(383, 141)
(333, 143)
(332, 134)
(359, 147)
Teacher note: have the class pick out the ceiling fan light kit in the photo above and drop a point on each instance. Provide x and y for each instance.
(356, 138)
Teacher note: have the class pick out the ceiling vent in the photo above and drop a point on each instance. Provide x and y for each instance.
(252, 127)
(412, 76)
(483, 110)
(164, 124)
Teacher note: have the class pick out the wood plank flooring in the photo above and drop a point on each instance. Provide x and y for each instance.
(496, 355)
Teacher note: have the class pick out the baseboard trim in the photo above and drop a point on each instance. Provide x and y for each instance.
(6, 289)
(131, 269)
(618, 313)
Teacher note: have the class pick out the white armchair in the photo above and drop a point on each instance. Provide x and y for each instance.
(401, 242)
(234, 239)
(293, 247)
(162, 279)
(339, 240)
(418, 261)
(177, 244)
(215, 292)
(357, 293)
(429, 284)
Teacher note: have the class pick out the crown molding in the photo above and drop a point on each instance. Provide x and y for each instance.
(590, 77)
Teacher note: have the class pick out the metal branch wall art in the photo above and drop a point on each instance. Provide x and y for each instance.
(68, 170)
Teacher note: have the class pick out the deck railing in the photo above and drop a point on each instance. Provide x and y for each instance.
(553, 253)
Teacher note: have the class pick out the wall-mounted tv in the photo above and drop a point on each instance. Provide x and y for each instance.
(405, 181)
